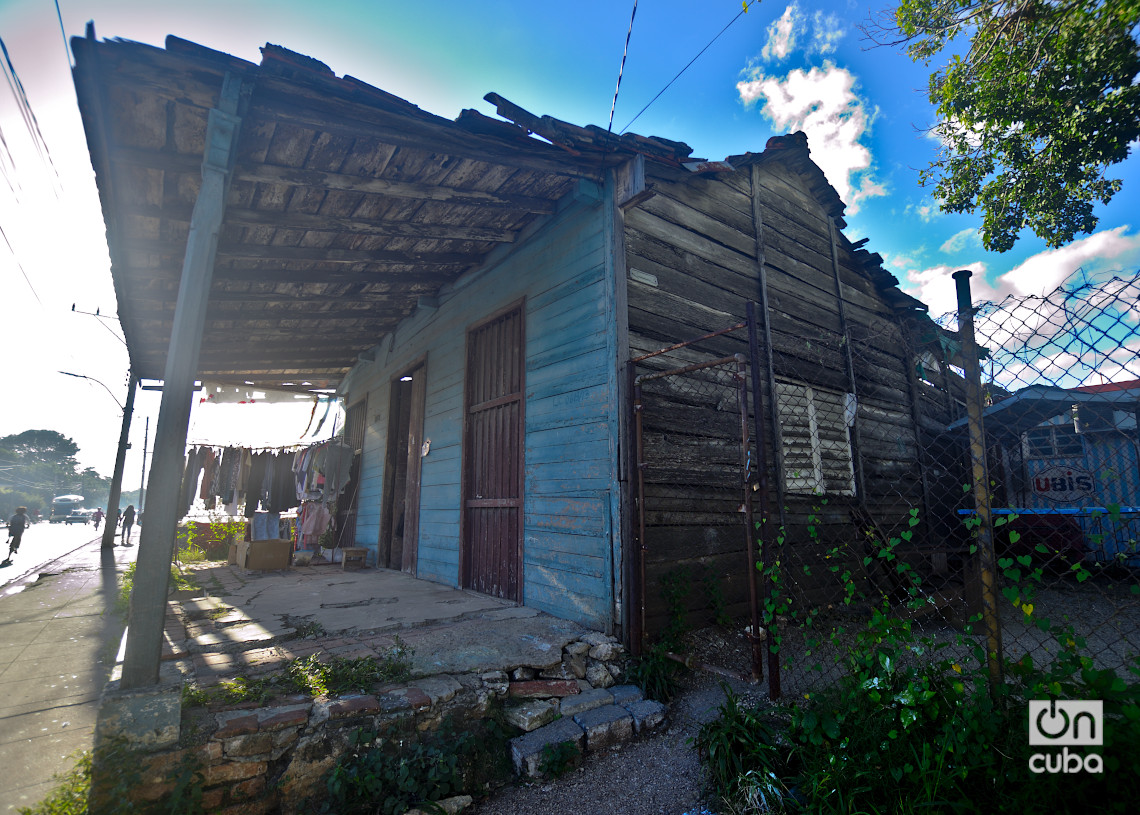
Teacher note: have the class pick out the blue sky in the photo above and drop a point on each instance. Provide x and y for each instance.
(779, 68)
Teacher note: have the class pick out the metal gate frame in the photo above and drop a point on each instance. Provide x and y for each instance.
(739, 375)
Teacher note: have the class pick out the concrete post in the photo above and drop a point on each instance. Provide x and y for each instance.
(156, 538)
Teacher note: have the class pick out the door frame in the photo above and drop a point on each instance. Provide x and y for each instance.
(417, 398)
(465, 571)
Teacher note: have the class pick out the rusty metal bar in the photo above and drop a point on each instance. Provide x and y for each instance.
(691, 663)
(688, 369)
(980, 474)
(678, 345)
(637, 642)
(855, 435)
(749, 523)
(762, 488)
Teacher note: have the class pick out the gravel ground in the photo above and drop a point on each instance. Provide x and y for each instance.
(661, 775)
(656, 775)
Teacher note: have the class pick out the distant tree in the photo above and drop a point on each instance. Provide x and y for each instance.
(1043, 102)
(37, 465)
(41, 447)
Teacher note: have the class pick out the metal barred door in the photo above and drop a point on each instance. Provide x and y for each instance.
(493, 460)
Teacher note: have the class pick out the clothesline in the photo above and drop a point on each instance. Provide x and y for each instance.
(255, 481)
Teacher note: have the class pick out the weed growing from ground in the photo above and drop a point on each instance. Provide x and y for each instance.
(557, 759)
(69, 797)
(655, 673)
(915, 723)
(390, 774)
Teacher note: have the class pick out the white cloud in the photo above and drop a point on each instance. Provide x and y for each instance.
(1099, 255)
(822, 103)
(935, 286)
(1047, 270)
(926, 210)
(962, 240)
(896, 263)
(827, 32)
(782, 35)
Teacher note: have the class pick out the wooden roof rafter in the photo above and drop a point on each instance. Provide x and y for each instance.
(347, 204)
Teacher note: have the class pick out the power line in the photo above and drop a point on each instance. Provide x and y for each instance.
(745, 5)
(63, 33)
(20, 266)
(621, 70)
(29, 116)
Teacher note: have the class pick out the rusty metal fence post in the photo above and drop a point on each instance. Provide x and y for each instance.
(987, 560)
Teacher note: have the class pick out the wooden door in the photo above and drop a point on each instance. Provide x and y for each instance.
(400, 510)
(493, 458)
(411, 542)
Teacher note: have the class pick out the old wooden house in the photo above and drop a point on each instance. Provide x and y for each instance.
(476, 290)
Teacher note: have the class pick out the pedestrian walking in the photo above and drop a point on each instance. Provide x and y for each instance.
(16, 526)
(128, 522)
(97, 517)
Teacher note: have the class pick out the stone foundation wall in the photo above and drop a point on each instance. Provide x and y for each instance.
(270, 759)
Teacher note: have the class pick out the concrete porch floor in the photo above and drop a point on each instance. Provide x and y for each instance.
(249, 622)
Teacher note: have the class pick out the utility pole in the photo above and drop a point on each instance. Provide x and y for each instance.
(120, 461)
(142, 475)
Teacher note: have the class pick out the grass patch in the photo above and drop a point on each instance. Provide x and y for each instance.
(231, 692)
(342, 675)
(178, 582)
(181, 581)
(126, 583)
(309, 675)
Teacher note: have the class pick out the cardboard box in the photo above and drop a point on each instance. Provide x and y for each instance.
(233, 555)
(267, 554)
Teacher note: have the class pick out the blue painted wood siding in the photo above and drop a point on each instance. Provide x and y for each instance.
(570, 415)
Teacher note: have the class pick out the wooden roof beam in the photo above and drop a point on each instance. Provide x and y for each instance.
(272, 174)
(285, 298)
(168, 161)
(238, 216)
(250, 251)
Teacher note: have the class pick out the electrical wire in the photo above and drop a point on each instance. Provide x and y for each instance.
(621, 70)
(20, 266)
(27, 113)
(745, 5)
(66, 49)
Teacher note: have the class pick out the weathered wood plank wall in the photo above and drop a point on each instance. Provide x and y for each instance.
(692, 270)
(570, 470)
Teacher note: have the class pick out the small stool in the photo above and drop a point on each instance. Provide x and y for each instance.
(353, 557)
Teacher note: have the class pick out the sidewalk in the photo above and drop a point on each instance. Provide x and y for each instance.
(58, 640)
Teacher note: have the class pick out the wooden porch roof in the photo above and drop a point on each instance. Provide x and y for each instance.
(347, 204)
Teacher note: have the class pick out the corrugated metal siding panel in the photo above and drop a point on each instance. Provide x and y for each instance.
(569, 403)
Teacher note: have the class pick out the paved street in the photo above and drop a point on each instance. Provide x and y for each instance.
(59, 634)
(43, 543)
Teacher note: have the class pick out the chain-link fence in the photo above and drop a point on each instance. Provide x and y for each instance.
(871, 492)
